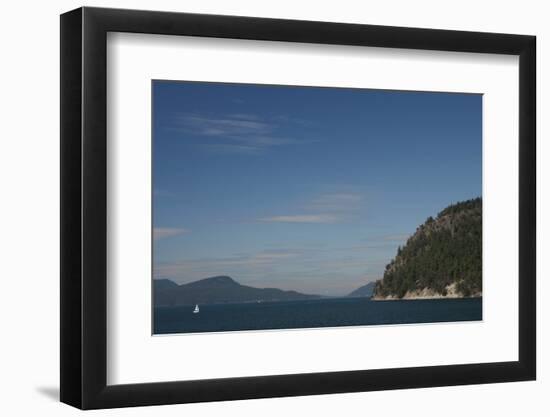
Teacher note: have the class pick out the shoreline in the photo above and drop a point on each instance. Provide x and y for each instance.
(451, 292)
(426, 297)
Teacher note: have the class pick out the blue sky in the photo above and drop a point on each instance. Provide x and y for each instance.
(310, 189)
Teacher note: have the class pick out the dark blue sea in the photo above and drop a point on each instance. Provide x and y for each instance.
(328, 312)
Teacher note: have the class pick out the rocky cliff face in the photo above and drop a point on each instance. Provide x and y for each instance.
(443, 258)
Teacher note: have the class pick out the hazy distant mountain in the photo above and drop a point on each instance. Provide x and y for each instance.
(163, 284)
(220, 289)
(364, 291)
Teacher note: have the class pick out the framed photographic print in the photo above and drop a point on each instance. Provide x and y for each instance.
(258, 207)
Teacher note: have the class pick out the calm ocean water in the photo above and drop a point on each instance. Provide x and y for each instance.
(331, 312)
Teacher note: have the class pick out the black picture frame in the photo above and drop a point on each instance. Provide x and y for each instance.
(84, 207)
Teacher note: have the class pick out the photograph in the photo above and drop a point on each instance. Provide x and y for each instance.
(298, 207)
(273, 205)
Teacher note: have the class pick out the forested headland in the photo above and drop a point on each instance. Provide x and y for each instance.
(443, 258)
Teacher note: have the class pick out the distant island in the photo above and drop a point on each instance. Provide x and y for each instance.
(364, 291)
(442, 259)
(217, 290)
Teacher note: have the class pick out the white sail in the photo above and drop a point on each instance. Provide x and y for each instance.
(196, 310)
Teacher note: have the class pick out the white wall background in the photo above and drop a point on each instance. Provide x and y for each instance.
(29, 176)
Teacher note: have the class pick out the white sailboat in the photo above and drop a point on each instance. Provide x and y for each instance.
(196, 310)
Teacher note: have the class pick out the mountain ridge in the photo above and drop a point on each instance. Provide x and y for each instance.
(219, 289)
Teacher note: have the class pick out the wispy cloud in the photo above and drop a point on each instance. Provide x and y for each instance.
(336, 202)
(255, 263)
(396, 238)
(230, 125)
(273, 255)
(325, 208)
(164, 232)
(388, 239)
(236, 132)
(245, 116)
(302, 218)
